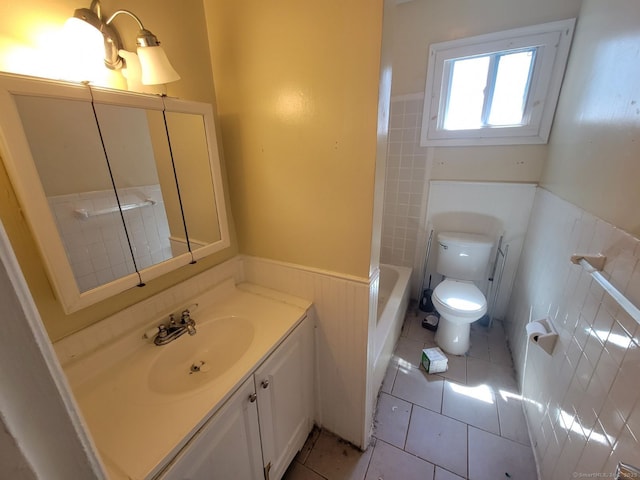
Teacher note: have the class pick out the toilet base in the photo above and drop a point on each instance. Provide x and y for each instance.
(452, 337)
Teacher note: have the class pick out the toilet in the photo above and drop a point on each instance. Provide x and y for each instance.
(462, 259)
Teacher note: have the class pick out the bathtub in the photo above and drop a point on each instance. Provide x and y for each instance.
(393, 301)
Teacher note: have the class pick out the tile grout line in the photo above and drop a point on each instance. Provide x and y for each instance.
(406, 435)
(446, 415)
(468, 456)
(366, 471)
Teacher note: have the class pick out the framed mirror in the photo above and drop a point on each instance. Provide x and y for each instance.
(110, 207)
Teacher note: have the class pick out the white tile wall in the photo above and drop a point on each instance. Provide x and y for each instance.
(406, 182)
(148, 227)
(97, 247)
(583, 402)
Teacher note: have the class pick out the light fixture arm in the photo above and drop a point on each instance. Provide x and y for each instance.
(145, 38)
(118, 12)
(96, 7)
(156, 67)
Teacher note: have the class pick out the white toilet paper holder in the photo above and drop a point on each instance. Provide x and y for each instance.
(546, 341)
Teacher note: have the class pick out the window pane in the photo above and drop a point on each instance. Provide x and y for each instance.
(511, 88)
(466, 93)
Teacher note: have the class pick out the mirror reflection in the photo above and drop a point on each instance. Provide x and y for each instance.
(141, 153)
(138, 153)
(188, 138)
(68, 154)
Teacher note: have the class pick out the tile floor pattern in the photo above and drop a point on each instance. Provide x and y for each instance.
(466, 423)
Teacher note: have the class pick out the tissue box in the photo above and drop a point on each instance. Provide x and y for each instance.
(433, 360)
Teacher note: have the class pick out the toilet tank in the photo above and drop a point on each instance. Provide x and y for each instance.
(463, 256)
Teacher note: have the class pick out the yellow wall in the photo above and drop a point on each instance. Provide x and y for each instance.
(25, 27)
(297, 89)
(594, 159)
(419, 23)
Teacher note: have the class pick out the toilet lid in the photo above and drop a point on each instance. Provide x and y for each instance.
(463, 297)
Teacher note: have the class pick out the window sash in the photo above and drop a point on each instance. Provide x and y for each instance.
(550, 42)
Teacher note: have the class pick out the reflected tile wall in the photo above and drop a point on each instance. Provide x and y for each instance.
(97, 246)
(405, 182)
(583, 402)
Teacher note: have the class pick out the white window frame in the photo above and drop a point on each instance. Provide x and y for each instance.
(552, 40)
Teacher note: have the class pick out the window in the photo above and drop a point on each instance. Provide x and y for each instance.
(495, 89)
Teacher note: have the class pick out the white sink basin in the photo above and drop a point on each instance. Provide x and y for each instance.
(191, 362)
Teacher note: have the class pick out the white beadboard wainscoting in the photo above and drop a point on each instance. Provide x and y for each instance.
(583, 402)
(345, 328)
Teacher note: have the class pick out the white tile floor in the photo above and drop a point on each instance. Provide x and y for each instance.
(466, 423)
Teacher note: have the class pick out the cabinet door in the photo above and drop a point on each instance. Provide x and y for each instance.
(227, 447)
(284, 384)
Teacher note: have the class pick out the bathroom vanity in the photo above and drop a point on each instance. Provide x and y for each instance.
(235, 400)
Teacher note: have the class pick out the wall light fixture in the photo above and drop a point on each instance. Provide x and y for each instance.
(156, 68)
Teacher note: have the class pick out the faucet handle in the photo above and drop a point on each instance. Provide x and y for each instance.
(162, 331)
(186, 317)
(188, 322)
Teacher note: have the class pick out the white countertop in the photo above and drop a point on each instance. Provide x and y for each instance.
(137, 430)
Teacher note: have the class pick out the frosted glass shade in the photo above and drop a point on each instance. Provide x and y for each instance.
(156, 68)
(83, 46)
(81, 32)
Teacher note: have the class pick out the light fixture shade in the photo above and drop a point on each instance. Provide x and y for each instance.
(156, 68)
(81, 31)
(83, 47)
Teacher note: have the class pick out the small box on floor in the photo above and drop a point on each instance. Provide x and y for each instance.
(433, 360)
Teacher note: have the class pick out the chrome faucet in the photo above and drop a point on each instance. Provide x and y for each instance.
(168, 333)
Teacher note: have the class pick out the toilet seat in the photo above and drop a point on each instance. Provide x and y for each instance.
(459, 299)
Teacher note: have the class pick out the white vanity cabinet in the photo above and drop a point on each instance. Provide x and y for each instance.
(258, 431)
(227, 447)
(284, 385)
